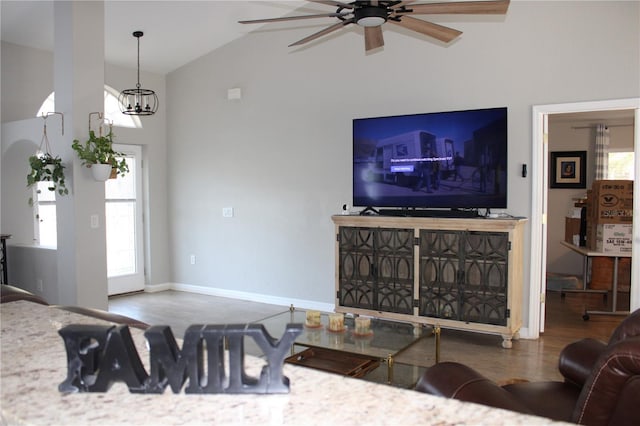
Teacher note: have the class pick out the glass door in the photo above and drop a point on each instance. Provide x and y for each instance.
(123, 217)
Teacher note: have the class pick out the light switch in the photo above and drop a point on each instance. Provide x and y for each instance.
(235, 93)
(94, 221)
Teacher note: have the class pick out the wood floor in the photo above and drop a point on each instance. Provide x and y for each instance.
(532, 360)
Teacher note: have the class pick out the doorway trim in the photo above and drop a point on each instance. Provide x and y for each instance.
(539, 173)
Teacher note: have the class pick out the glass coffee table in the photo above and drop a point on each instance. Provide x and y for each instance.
(345, 352)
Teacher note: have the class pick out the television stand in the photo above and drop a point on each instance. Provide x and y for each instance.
(479, 290)
(456, 214)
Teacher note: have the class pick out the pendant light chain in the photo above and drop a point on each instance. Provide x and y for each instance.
(138, 85)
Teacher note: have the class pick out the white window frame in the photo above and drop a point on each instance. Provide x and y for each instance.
(37, 203)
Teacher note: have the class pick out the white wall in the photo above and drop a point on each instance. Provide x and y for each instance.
(281, 156)
(27, 76)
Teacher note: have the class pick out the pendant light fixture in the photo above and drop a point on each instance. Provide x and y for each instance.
(138, 101)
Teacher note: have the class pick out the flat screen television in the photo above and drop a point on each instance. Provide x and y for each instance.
(444, 160)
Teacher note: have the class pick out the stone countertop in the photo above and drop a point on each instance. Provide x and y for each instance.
(33, 364)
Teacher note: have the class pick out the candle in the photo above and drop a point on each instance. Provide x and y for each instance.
(336, 322)
(363, 325)
(313, 319)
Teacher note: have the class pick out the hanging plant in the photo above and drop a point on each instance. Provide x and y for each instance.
(45, 167)
(99, 150)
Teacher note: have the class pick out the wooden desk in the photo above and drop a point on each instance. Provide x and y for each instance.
(614, 280)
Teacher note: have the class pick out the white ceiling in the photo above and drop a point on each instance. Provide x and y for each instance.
(175, 32)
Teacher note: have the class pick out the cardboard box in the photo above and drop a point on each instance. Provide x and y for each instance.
(611, 201)
(614, 238)
(571, 228)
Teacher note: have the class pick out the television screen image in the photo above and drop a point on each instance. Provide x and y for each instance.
(455, 160)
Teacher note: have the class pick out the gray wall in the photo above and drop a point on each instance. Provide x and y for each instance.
(281, 156)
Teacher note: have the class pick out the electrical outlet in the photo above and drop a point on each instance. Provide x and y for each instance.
(95, 221)
(192, 259)
(40, 285)
(227, 212)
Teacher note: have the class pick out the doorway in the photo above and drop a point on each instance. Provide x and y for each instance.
(539, 178)
(123, 218)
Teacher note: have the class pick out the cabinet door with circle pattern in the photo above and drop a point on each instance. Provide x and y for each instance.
(376, 269)
(463, 276)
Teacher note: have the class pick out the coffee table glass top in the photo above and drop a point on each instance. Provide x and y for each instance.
(387, 338)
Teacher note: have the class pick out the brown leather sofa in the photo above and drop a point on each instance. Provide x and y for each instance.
(9, 293)
(601, 383)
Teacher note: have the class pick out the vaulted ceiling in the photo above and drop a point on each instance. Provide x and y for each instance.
(176, 32)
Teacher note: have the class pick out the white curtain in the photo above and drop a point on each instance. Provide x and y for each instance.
(602, 151)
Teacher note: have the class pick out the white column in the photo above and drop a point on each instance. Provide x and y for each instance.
(79, 85)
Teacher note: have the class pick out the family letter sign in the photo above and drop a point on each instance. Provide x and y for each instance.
(100, 355)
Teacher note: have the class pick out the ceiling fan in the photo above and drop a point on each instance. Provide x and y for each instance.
(372, 14)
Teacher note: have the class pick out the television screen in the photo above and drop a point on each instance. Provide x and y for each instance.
(455, 160)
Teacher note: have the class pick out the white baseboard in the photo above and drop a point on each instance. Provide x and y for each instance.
(251, 297)
(154, 288)
(525, 333)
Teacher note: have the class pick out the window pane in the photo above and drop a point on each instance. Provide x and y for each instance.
(45, 214)
(112, 112)
(621, 166)
(121, 254)
(124, 187)
(43, 192)
(47, 106)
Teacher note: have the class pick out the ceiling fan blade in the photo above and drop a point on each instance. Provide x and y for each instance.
(322, 32)
(430, 29)
(373, 38)
(461, 7)
(334, 3)
(291, 18)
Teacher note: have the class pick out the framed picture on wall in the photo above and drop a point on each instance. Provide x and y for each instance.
(568, 169)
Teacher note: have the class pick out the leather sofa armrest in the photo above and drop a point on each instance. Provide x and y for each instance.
(628, 328)
(454, 380)
(610, 395)
(577, 360)
(9, 293)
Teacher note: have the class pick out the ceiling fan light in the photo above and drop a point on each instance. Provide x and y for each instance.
(371, 21)
(370, 16)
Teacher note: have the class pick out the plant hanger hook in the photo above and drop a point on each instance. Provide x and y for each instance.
(45, 139)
